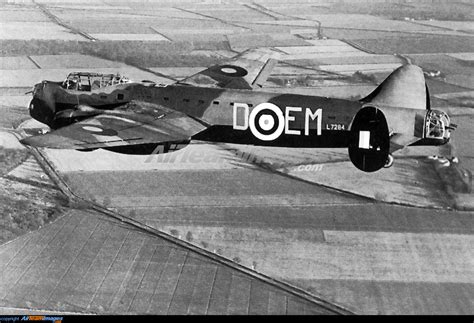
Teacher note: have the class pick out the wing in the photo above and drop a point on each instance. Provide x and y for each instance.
(132, 124)
(245, 71)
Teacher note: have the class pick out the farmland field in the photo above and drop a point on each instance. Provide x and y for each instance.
(73, 61)
(345, 33)
(266, 28)
(16, 62)
(22, 15)
(444, 62)
(35, 30)
(454, 70)
(143, 37)
(316, 56)
(196, 37)
(241, 14)
(463, 56)
(286, 39)
(418, 44)
(351, 68)
(448, 10)
(254, 40)
(292, 23)
(318, 49)
(366, 59)
(366, 22)
(454, 25)
(466, 80)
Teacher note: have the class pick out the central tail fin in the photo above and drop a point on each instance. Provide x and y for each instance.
(404, 88)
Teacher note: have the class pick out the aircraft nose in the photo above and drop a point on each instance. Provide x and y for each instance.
(40, 111)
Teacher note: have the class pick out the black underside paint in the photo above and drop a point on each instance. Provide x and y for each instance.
(327, 139)
(148, 149)
(41, 111)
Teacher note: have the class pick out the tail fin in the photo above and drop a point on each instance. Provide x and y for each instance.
(404, 88)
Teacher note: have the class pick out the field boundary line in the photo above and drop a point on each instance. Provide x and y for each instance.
(59, 22)
(357, 46)
(214, 18)
(34, 62)
(161, 34)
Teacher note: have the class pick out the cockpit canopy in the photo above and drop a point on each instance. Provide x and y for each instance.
(86, 81)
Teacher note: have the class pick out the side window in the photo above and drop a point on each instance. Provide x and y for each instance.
(120, 96)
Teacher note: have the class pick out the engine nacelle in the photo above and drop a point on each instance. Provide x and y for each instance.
(369, 140)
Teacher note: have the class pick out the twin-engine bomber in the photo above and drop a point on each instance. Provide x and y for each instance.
(220, 104)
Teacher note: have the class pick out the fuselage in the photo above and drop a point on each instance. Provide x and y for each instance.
(284, 119)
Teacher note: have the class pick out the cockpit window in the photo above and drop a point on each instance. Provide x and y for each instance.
(85, 81)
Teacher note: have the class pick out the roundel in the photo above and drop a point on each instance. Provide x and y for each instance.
(266, 121)
(230, 70)
(99, 131)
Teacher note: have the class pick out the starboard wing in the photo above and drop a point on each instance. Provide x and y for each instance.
(245, 71)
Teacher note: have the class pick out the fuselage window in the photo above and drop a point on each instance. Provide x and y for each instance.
(215, 102)
(201, 101)
(166, 99)
(186, 100)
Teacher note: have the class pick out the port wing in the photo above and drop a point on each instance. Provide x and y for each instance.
(132, 124)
